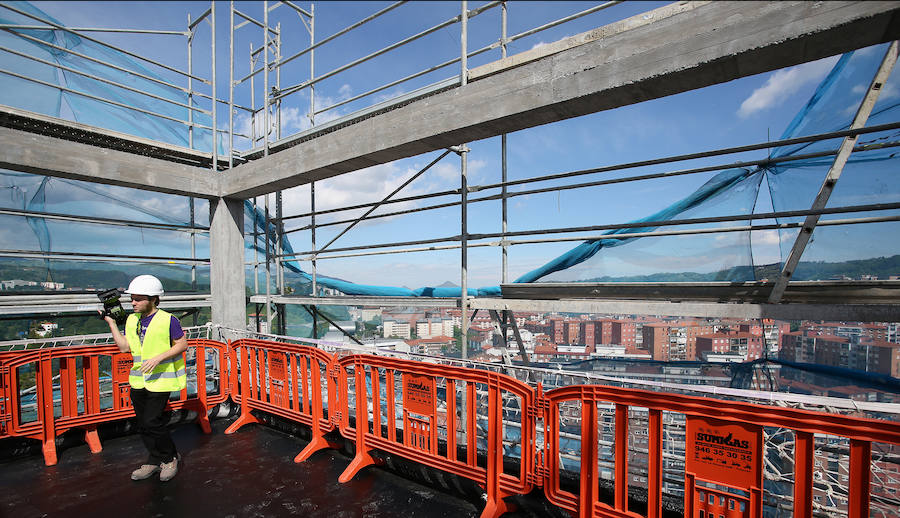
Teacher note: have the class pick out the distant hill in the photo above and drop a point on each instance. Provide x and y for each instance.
(880, 267)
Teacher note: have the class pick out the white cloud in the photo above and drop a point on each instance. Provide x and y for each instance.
(784, 83)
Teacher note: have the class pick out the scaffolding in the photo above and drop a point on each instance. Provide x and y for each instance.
(266, 140)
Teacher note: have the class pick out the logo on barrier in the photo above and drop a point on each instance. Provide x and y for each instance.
(720, 451)
(123, 365)
(276, 366)
(418, 394)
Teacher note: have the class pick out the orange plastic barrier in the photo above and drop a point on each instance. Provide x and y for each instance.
(79, 394)
(723, 448)
(291, 381)
(424, 414)
(462, 421)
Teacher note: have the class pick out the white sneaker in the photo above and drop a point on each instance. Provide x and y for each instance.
(145, 471)
(168, 470)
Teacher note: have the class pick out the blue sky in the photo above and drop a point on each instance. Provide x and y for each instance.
(744, 111)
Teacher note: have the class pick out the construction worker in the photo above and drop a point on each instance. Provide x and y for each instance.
(156, 343)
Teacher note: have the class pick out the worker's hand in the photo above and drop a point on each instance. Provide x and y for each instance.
(149, 364)
(109, 320)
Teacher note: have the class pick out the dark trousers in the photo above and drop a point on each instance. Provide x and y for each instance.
(149, 408)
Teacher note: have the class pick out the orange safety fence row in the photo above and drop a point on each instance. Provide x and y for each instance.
(477, 424)
(458, 420)
(46, 392)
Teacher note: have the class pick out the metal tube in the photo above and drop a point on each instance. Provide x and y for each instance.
(231, 85)
(642, 234)
(463, 53)
(190, 87)
(587, 184)
(96, 98)
(312, 224)
(265, 154)
(193, 247)
(864, 147)
(92, 29)
(407, 78)
(113, 47)
(76, 256)
(291, 89)
(103, 80)
(312, 46)
(504, 261)
(747, 228)
(296, 7)
(255, 249)
(102, 221)
(312, 67)
(215, 127)
(834, 173)
(464, 257)
(702, 154)
(201, 17)
(100, 62)
(262, 25)
(395, 191)
(564, 20)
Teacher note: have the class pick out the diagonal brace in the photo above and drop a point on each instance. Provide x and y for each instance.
(862, 115)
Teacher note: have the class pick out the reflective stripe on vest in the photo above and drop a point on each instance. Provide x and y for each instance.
(169, 375)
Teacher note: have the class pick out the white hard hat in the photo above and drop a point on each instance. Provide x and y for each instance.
(145, 285)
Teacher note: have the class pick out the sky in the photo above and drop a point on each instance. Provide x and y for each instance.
(749, 110)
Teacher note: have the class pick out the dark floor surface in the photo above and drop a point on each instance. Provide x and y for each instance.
(248, 474)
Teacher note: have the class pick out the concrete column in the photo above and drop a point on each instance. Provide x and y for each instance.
(226, 254)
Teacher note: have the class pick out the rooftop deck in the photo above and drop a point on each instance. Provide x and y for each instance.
(249, 473)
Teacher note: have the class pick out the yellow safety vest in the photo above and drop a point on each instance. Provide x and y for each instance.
(170, 374)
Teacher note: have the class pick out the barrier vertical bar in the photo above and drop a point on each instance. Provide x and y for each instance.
(68, 387)
(654, 465)
(362, 458)
(495, 505)
(588, 493)
(45, 407)
(90, 386)
(471, 452)
(305, 389)
(391, 405)
(803, 474)
(860, 478)
(376, 402)
(202, 405)
(621, 499)
(295, 402)
(246, 393)
(318, 441)
(451, 419)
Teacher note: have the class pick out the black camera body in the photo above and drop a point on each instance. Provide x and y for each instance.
(112, 307)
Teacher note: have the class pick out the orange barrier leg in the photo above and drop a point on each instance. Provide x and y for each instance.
(203, 417)
(241, 421)
(496, 506)
(49, 450)
(92, 439)
(361, 460)
(318, 443)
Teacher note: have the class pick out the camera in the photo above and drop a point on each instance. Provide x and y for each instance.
(112, 307)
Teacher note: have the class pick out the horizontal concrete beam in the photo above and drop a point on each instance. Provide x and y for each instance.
(697, 45)
(41, 154)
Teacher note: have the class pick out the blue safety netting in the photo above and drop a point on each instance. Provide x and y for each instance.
(868, 177)
(39, 87)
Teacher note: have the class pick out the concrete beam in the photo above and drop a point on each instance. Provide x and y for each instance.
(41, 154)
(697, 45)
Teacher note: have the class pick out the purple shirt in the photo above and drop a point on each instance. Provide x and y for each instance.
(175, 331)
